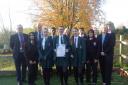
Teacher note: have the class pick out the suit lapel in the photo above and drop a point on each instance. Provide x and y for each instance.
(105, 39)
(78, 42)
(17, 38)
(73, 43)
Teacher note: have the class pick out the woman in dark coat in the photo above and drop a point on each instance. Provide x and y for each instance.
(92, 58)
(32, 59)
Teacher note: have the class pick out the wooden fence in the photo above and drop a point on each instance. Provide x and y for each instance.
(121, 44)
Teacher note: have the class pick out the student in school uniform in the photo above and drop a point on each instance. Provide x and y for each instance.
(61, 48)
(92, 58)
(78, 50)
(32, 59)
(68, 33)
(45, 56)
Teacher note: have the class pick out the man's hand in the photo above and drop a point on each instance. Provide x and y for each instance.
(72, 56)
(95, 60)
(102, 53)
(30, 62)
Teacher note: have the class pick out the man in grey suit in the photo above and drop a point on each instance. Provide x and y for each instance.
(18, 43)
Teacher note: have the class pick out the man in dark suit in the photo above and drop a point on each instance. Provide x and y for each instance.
(38, 36)
(45, 56)
(18, 43)
(106, 51)
(78, 51)
(38, 33)
(61, 61)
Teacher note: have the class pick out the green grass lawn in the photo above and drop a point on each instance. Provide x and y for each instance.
(11, 80)
(6, 63)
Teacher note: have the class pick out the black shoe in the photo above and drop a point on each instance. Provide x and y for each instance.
(81, 83)
(34, 83)
(19, 83)
(77, 84)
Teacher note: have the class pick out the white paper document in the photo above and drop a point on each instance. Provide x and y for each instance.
(60, 52)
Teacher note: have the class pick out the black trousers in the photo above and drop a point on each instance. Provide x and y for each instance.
(63, 74)
(79, 74)
(47, 75)
(70, 65)
(106, 65)
(91, 71)
(32, 73)
(20, 64)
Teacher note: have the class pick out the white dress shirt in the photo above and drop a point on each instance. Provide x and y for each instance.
(76, 41)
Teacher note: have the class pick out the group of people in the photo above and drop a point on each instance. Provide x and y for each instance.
(67, 50)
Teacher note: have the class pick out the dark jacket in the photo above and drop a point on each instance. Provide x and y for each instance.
(45, 55)
(15, 44)
(79, 54)
(62, 61)
(32, 53)
(92, 49)
(108, 45)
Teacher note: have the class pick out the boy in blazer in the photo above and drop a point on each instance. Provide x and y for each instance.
(45, 56)
(78, 53)
(61, 62)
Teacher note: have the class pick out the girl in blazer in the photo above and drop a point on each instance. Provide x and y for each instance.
(32, 59)
(92, 58)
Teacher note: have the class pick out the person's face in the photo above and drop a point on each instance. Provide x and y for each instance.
(39, 28)
(45, 32)
(75, 32)
(61, 30)
(104, 29)
(20, 30)
(31, 36)
(52, 31)
(67, 31)
(90, 34)
(109, 28)
(81, 31)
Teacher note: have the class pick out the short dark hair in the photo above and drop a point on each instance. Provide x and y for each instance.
(53, 28)
(75, 28)
(81, 28)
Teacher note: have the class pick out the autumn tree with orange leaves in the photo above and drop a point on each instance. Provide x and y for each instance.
(68, 13)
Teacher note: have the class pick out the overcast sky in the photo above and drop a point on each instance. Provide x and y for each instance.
(115, 11)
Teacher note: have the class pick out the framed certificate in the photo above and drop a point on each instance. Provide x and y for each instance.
(60, 51)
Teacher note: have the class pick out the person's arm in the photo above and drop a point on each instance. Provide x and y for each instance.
(50, 49)
(54, 48)
(110, 44)
(84, 50)
(12, 41)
